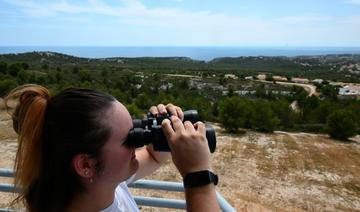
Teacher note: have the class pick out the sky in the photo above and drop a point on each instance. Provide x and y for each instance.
(285, 23)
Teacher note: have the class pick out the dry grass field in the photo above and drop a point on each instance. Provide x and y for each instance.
(260, 172)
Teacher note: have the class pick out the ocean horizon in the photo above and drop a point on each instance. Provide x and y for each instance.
(193, 52)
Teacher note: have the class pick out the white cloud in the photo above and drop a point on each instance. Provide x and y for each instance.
(354, 2)
(310, 18)
(169, 26)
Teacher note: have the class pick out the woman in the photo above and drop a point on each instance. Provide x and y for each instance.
(72, 154)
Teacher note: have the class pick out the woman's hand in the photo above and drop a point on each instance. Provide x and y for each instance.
(188, 144)
(161, 157)
(190, 153)
(167, 109)
(150, 160)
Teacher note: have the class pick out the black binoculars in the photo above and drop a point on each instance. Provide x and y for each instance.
(148, 131)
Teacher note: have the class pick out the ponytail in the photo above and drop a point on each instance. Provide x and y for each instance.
(52, 131)
(28, 121)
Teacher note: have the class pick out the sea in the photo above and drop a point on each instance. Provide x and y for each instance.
(193, 52)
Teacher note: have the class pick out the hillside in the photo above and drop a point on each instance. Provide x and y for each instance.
(331, 67)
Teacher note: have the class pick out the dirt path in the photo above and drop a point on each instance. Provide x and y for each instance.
(183, 75)
(311, 89)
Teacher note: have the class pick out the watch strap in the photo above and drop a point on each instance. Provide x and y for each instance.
(200, 178)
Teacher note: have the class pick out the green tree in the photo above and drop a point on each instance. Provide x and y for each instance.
(104, 74)
(269, 78)
(75, 70)
(184, 84)
(263, 118)
(45, 66)
(324, 109)
(121, 96)
(329, 92)
(309, 106)
(215, 110)
(355, 106)
(3, 67)
(134, 111)
(23, 77)
(143, 101)
(84, 76)
(6, 86)
(223, 81)
(299, 95)
(203, 106)
(41, 79)
(58, 76)
(14, 68)
(234, 112)
(230, 90)
(341, 124)
(119, 84)
(260, 91)
(282, 110)
(25, 66)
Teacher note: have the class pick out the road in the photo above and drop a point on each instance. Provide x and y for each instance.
(311, 89)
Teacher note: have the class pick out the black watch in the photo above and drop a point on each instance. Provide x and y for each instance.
(200, 178)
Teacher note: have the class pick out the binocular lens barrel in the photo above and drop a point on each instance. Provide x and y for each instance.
(139, 137)
(148, 131)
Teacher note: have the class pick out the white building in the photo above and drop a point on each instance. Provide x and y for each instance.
(350, 90)
(279, 78)
(261, 76)
(319, 81)
(231, 76)
(300, 80)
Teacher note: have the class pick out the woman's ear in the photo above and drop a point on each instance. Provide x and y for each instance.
(84, 166)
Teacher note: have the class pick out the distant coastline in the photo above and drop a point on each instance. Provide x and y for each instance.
(196, 53)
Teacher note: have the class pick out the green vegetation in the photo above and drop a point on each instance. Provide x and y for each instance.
(236, 112)
(235, 103)
(341, 124)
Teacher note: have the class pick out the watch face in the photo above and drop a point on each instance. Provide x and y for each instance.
(200, 178)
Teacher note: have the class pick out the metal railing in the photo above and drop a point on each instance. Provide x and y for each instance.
(140, 200)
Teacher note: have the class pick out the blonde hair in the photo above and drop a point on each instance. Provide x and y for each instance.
(28, 120)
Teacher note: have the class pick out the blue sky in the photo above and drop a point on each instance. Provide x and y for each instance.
(180, 23)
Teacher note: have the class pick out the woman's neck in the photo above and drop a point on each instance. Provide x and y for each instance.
(95, 198)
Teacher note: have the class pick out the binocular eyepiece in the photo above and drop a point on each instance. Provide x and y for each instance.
(148, 131)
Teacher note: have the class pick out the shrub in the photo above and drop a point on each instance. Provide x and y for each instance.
(263, 118)
(341, 124)
(234, 113)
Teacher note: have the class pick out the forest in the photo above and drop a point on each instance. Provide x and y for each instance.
(142, 82)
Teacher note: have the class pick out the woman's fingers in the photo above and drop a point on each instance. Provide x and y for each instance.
(180, 113)
(162, 109)
(200, 127)
(168, 109)
(177, 124)
(154, 110)
(175, 111)
(167, 129)
(189, 126)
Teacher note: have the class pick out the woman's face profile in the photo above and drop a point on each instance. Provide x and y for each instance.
(119, 161)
